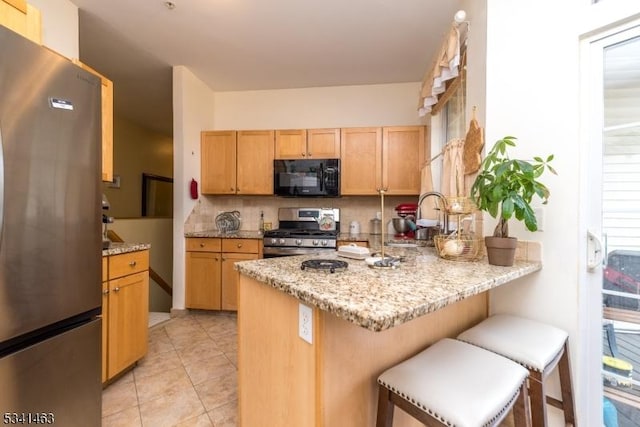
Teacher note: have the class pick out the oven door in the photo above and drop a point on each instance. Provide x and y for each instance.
(273, 252)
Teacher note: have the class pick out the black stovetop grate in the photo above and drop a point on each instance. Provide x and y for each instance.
(330, 265)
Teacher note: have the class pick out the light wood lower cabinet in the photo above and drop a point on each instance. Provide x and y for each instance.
(125, 312)
(211, 281)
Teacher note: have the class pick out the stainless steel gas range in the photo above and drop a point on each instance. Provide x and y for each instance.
(302, 231)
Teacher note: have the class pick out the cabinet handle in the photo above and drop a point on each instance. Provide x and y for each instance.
(105, 292)
(202, 245)
(132, 263)
(309, 155)
(303, 154)
(231, 189)
(116, 289)
(239, 245)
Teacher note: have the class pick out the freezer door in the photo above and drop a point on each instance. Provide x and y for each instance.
(58, 379)
(50, 243)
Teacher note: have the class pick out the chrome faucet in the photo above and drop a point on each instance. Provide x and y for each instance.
(443, 202)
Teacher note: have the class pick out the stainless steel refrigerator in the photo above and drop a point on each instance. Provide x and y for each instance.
(50, 238)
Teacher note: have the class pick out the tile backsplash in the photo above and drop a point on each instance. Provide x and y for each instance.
(352, 208)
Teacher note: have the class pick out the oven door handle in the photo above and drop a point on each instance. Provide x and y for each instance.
(321, 177)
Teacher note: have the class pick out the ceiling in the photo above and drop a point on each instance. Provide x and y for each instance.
(235, 45)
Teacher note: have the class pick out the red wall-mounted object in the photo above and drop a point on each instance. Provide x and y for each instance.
(194, 189)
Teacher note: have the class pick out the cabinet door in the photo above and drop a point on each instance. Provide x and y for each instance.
(202, 280)
(22, 18)
(361, 164)
(403, 149)
(323, 143)
(128, 320)
(291, 144)
(107, 122)
(255, 162)
(230, 278)
(218, 162)
(105, 329)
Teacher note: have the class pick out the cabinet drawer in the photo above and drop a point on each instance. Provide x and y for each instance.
(124, 264)
(203, 244)
(250, 246)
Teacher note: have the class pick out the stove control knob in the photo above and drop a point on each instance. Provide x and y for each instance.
(281, 241)
(315, 243)
(324, 243)
(298, 242)
(274, 241)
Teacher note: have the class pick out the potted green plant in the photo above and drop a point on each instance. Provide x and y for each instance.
(504, 188)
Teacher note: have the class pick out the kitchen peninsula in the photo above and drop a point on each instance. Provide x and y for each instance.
(363, 320)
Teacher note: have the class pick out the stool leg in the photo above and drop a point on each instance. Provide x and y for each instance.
(521, 408)
(566, 387)
(385, 408)
(538, 402)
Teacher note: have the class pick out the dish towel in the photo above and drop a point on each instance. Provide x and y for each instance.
(453, 183)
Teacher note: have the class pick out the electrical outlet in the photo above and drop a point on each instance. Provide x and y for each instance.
(305, 323)
(539, 213)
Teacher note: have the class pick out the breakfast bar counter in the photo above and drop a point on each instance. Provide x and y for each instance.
(362, 320)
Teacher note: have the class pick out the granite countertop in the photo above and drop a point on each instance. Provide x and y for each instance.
(379, 299)
(240, 234)
(123, 248)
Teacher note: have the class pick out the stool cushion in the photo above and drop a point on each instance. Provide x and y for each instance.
(530, 343)
(457, 383)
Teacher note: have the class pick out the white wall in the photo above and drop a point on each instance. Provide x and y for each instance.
(320, 107)
(192, 112)
(59, 26)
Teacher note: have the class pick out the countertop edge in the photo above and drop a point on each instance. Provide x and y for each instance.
(377, 323)
(123, 248)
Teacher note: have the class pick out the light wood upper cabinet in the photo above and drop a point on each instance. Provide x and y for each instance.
(361, 161)
(255, 162)
(22, 18)
(308, 144)
(107, 122)
(387, 158)
(218, 162)
(237, 162)
(403, 149)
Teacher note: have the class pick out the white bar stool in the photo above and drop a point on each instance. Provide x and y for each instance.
(536, 346)
(453, 383)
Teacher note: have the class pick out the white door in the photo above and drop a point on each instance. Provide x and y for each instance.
(612, 307)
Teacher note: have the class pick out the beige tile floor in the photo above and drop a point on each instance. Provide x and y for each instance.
(188, 377)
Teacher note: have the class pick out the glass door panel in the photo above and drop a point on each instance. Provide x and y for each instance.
(621, 230)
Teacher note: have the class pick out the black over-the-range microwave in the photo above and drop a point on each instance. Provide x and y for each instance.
(306, 178)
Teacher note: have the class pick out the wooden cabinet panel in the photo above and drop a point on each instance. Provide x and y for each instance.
(218, 162)
(22, 18)
(230, 278)
(211, 281)
(105, 329)
(204, 244)
(403, 151)
(129, 263)
(125, 311)
(387, 158)
(107, 121)
(291, 144)
(128, 321)
(240, 245)
(307, 144)
(255, 162)
(361, 161)
(202, 280)
(323, 143)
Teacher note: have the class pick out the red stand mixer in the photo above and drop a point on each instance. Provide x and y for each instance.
(405, 224)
